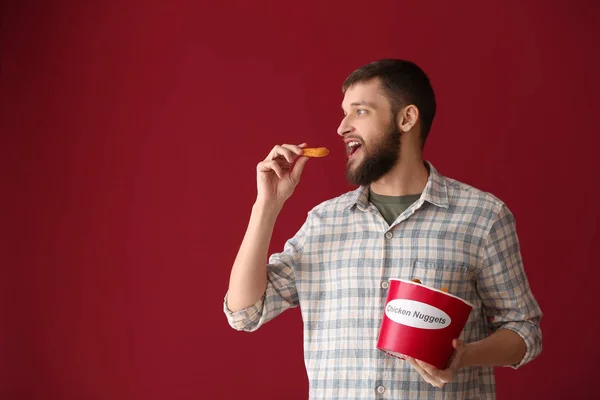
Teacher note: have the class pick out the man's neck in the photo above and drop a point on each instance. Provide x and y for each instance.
(407, 177)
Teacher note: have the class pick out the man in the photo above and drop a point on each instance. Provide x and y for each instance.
(405, 221)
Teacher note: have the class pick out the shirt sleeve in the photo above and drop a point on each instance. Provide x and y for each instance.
(504, 289)
(280, 293)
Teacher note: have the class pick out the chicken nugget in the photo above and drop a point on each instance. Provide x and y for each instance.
(315, 152)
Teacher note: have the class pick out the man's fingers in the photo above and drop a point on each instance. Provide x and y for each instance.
(294, 149)
(441, 376)
(287, 151)
(298, 168)
(430, 369)
(280, 161)
(426, 375)
(270, 165)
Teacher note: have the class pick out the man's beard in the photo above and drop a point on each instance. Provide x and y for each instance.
(378, 158)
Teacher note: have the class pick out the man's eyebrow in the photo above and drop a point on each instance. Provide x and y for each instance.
(362, 103)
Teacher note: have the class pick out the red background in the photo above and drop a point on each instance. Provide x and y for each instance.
(130, 135)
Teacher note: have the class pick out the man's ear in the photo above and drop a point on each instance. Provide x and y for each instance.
(408, 118)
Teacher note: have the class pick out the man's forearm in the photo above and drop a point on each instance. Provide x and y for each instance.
(502, 348)
(248, 278)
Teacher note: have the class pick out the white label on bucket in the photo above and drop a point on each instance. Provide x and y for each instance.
(416, 314)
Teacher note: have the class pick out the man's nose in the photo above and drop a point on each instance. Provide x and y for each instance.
(344, 128)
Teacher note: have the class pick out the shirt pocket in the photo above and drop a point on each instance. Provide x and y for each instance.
(456, 277)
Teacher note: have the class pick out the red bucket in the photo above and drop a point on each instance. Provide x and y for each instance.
(420, 322)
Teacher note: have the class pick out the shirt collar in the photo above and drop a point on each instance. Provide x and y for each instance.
(435, 191)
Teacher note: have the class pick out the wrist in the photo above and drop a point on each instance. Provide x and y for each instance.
(267, 208)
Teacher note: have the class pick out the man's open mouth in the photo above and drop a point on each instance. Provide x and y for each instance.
(352, 147)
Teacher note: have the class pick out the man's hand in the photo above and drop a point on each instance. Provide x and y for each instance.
(439, 377)
(276, 179)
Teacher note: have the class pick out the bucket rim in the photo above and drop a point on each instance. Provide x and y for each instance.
(433, 289)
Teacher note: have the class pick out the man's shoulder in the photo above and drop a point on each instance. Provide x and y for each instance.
(463, 194)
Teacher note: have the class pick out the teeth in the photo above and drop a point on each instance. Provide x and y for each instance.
(354, 144)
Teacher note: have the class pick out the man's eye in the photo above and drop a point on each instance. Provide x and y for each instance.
(361, 111)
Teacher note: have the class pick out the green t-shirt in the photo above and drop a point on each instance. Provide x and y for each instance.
(391, 207)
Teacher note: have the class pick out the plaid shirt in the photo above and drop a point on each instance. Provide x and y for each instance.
(337, 266)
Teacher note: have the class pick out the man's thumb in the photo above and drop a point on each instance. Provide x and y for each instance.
(457, 343)
(298, 168)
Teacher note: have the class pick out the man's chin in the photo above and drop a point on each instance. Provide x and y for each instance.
(350, 168)
(351, 176)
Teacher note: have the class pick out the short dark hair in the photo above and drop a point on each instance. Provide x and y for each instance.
(405, 83)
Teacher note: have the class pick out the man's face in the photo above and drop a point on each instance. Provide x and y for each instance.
(370, 133)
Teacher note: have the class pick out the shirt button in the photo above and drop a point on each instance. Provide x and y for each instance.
(389, 235)
(380, 389)
(385, 285)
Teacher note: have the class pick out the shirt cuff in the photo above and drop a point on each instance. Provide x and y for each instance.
(246, 319)
(531, 335)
